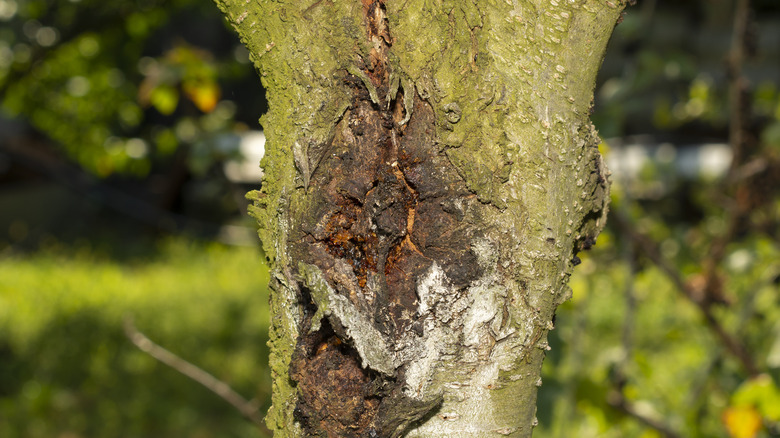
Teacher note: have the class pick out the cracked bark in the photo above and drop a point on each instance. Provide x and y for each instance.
(431, 174)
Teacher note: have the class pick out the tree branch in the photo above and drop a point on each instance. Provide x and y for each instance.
(615, 397)
(619, 402)
(249, 409)
(740, 138)
(739, 108)
(651, 250)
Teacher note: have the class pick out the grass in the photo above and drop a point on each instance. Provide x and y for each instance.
(67, 370)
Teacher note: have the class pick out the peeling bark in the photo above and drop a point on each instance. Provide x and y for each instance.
(431, 174)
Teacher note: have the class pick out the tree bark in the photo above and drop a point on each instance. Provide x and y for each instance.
(431, 173)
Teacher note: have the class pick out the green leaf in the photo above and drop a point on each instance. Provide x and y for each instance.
(165, 99)
(761, 392)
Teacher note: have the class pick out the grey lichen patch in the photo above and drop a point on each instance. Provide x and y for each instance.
(354, 70)
(309, 149)
(438, 305)
(484, 334)
(434, 288)
(453, 112)
(485, 321)
(409, 93)
(367, 340)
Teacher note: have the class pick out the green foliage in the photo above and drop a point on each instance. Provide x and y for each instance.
(674, 368)
(629, 327)
(762, 393)
(66, 367)
(111, 86)
(665, 70)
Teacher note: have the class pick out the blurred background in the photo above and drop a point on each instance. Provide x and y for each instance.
(129, 135)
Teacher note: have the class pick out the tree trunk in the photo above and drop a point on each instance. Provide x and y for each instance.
(431, 173)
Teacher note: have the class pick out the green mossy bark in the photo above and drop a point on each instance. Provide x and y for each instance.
(511, 85)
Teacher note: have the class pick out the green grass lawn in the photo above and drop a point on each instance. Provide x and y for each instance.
(67, 370)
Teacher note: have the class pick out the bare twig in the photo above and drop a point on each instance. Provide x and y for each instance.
(620, 376)
(739, 111)
(615, 397)
(629, 320)
(739, 135)
(619, 402)
(249, 409)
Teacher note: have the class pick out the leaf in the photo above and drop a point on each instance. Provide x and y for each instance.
(762, 393)
(204, 93)
(166, 142)
(165, 99)
(742, 421)
(771, 135)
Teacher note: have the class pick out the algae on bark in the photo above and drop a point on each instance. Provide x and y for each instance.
(430, 174)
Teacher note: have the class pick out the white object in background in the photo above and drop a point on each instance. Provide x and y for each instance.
(247, 169)
(627, 157)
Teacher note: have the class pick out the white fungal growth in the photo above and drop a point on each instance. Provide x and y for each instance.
(431, 288)
(367, 340)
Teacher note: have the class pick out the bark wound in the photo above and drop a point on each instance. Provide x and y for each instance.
(383, 206)
(335, 393)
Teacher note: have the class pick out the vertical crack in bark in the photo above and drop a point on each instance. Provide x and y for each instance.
(383, 207)
(376, 67)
